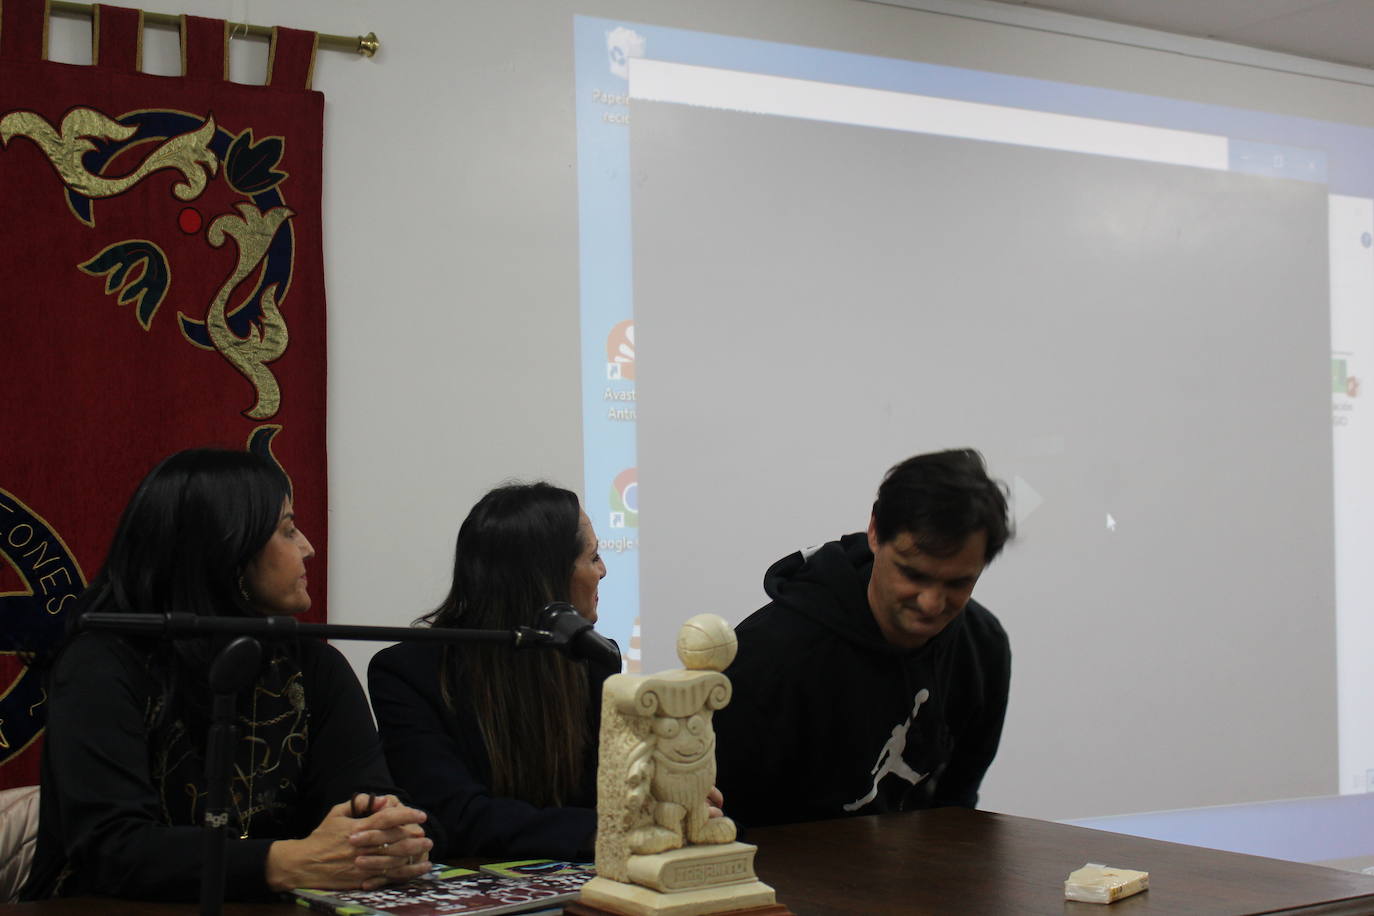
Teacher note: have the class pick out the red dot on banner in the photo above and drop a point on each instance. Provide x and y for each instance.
(189, 220)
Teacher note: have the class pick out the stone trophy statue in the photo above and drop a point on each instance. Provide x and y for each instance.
(658, 850)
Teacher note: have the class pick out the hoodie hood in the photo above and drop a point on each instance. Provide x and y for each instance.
(829, 585)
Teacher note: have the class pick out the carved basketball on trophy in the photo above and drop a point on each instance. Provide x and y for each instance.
(706, 643)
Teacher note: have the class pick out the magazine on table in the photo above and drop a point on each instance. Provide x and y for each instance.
(528, 886)
(538, 868)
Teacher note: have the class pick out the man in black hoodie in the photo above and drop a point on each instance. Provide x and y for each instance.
(872, 681)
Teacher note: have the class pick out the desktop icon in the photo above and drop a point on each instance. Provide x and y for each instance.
(621, 45)
(625, 499)
(620, 351)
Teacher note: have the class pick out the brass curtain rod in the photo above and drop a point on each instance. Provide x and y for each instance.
(365, 45)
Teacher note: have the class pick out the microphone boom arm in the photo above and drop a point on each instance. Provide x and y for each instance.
(182, 625)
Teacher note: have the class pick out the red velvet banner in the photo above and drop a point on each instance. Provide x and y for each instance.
(161, 287)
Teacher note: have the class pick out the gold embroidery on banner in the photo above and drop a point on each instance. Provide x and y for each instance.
(189, 153)
(4, 742)
(252, 233)
(137, 271)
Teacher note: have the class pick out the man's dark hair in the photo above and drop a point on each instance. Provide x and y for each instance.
(941, 499)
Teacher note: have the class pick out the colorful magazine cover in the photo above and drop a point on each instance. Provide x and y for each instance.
(452, 892)
(538, 868)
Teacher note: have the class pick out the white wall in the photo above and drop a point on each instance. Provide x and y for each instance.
(451, 248)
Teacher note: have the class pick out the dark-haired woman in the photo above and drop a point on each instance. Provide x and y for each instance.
(499, 746)
(210, 532)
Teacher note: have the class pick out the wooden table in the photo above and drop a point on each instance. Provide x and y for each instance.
(975, 862)
(971, 863)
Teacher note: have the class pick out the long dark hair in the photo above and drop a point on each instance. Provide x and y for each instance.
(516, 551)
(181, 545)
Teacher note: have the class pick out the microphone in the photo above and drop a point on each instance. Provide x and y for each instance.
(572, 633)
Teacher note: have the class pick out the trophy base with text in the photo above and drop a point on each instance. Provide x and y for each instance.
(692, 881)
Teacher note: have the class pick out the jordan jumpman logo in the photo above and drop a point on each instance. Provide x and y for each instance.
(890, 757)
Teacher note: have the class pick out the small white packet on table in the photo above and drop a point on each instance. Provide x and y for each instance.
(1102, 884)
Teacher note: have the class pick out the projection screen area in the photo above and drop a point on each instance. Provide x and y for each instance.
(1135, 323)
(800, 323)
